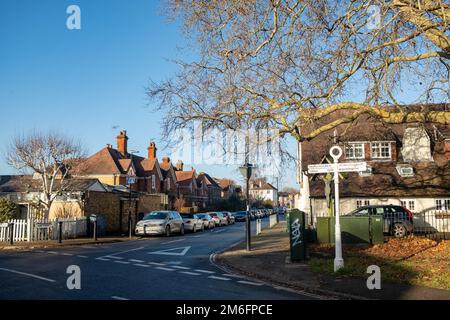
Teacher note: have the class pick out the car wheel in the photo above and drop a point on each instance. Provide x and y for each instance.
(167, 231)
(399, 230)
(182, 229)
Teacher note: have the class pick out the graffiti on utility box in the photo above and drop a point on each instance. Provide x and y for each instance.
(296, 233)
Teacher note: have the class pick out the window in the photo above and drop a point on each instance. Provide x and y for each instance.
(354, 151)
(358, 204)
(403, 203)
(168, 183)
(153, 181)
(367, 202)
(411, 205)
(381, 150)
(443, 204)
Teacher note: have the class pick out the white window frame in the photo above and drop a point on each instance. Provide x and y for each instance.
(447, 204)
(366, 202)
(353, 146)
(438, 203)
(359, 204)
(378, 146)
(409, 204)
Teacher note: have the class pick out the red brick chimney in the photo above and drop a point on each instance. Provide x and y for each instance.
(152, 151)
(122, 143)
(166, 160)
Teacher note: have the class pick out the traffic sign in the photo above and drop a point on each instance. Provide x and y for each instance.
(131, 180)
(342, 167)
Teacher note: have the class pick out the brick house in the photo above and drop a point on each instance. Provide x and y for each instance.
(408, 165)
(113, 166)
(213, 189)
(192, 191)
(169, 183)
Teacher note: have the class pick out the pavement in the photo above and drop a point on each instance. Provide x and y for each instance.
(268, 261)
(155, 268)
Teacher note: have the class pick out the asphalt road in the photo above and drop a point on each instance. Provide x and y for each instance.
(156, 268)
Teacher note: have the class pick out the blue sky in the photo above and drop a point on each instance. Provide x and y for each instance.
(87, 83)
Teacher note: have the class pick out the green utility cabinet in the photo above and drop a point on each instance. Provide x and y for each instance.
(297, 235)
(363, 229)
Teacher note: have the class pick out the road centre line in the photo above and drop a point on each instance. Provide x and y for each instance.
(118, 298)
(136, 260)
(165, 269)
(180, 267)
(190, 273)
(27, 274)
(141, 265)
(113, 257)
(81, 256)
(157, 263)
(204, 271)
(122, 262)
(219, 278)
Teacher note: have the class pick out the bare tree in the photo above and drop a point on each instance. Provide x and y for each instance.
(284, 63)
(50, 158)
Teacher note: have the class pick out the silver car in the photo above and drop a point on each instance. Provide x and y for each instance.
(192, 222)
(160, 222)
(218, 219)
(208, 222)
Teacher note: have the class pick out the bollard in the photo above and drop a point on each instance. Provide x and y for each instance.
(11, 233)
(95, 230)
(60, 231)
(130, 232)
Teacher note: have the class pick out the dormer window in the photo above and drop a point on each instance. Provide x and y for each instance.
(381, 150)
(354, 151)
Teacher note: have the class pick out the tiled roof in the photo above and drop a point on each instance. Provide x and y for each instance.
(261, 184)
(26, 183)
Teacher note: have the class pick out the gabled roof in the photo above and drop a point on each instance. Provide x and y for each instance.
(261, 184)
(210, 182)
(184, 178)
(26, 183)
(109, 161)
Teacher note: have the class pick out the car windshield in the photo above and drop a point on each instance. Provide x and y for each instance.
(213, 214)
(201, 216)
(187, 216)
(156, 215)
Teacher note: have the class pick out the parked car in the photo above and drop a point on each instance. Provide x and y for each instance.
(398, 221)
(240, 216)
(208, 222)
(192, 222)
(160, 222)
(218, 218)
(229, 216)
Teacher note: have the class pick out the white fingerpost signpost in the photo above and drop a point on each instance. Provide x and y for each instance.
(336, 153)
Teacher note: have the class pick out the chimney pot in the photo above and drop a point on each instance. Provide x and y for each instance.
(180, 165)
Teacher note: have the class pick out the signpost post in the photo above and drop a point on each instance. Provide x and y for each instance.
(335, 168)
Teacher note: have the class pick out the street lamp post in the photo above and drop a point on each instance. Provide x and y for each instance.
(130, 181)
(246, 171)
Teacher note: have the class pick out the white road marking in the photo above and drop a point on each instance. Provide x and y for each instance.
(52, 252)
(28, 275)
(196, 236)
(113, 257)
(219, 278)
(81, 256)
(66, 254)
(204, 271)
(173, 241)
(169, 252)
(173, 262)
(251, 283)
(165, 269)
(232, 275)
(141, 265)
(117, 253)
(157, 263)
(190, 273)
(219, 231)
(122, 262)
(136, 260)
(118, 298)
(180, 267)
(102, 259)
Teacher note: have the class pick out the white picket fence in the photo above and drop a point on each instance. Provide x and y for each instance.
(40, 230)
